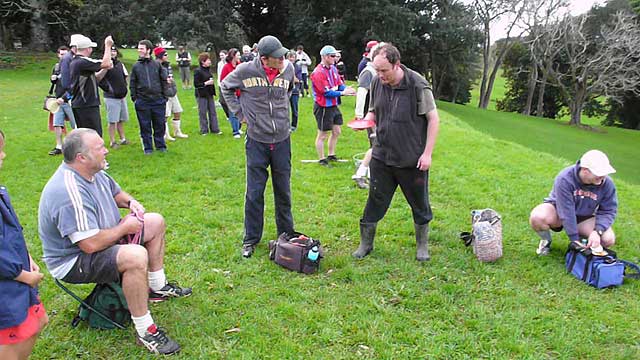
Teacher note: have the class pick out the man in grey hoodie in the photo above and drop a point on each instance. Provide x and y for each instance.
(265, 84)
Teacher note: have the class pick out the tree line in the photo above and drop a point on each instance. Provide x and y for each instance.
(553, 62)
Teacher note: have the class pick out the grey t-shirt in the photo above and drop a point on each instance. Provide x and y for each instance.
(72, 209)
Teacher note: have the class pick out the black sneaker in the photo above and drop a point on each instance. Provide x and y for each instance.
(247, 250)
(171, 290)
(332, 158)
(323, 162)
(55, 151)
(157, 341)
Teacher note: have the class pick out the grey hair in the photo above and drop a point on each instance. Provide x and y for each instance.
(391, 53)
(75, 144)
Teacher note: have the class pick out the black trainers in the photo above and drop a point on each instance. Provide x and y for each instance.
(171, 290)
(332, 158)
(55, 151)
(323, 162)
(247, 250)
(157, 341)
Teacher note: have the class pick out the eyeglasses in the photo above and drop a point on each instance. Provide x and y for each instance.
(333, 55)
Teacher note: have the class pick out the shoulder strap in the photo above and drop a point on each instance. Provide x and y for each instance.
(633, 267)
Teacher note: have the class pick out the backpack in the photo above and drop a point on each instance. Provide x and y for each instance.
(599, 271)
(297, 252)
(104, 308)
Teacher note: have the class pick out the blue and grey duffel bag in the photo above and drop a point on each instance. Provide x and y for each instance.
(599, 270)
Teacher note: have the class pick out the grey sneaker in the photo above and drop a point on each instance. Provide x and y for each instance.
(361, 182)
(544, 247)
(247, 250)
(171, 290)
(157, 341)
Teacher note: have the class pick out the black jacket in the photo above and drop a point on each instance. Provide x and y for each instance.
(201, 75)
(114, 82)
(172, 89)
(148, 80)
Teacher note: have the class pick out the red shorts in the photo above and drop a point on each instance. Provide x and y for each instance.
(29, 327)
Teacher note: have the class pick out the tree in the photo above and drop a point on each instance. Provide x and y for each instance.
(489, 11)
(602, 65)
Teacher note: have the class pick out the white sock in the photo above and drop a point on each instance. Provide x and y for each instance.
(362, 171)
(157, 279)
(142, 323)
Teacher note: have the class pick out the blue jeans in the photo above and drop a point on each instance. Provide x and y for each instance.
(293, 100)
(235, 123)
(152, 123)
(260, 156)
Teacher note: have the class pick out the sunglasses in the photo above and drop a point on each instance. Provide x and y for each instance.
(333, 55)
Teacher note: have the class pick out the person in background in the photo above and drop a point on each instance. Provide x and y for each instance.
(328, 87)
(342, 68)
(232, 61)
(247, 55)
(183, 58)
(295, 93)
(366, 58)
(114, 85)
(221, 63)
(22, 315)
(173, 103)
(65, 110)
(148, 88)
(304, 61)
(205, 92)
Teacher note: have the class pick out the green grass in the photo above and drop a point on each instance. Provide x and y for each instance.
(387, 306)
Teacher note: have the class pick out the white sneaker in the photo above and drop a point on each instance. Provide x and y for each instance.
(240, 131)
(237, 136)
(544, 247)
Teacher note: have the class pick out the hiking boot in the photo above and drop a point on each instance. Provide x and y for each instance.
(170, 290)
(332, 158)
(323, 162)
(544, 247)
(157, 341)
(247, 250)
(55, 151)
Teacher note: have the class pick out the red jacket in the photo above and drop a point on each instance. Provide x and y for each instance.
(327, 86)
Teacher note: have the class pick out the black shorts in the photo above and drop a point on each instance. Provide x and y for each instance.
(327, 117)
(99, 267)
(579, 219)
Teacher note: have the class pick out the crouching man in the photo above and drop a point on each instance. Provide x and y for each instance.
(79, 225)
(583, 201)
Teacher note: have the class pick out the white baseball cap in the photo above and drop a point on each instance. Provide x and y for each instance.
(83, 42)
(74, 40)
(597, 162)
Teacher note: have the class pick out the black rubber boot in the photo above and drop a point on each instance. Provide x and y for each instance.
(422, 242)
(367, 233)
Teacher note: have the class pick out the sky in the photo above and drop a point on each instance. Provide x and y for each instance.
(576, 7)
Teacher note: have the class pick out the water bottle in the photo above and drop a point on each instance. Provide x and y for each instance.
(313, 253)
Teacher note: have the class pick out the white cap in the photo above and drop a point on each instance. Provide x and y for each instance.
(83, 42)
(597, 162)
(74, 39)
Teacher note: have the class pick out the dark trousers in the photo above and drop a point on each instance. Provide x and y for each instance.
(152, 123)
(207, 108)
(223, 103)
(293, 100)
(259, 157)
(88, 117)
(414, 184)
(305, 83)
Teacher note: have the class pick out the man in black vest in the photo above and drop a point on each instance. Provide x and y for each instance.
(402, 105)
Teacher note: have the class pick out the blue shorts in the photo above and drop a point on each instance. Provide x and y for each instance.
(65, 111)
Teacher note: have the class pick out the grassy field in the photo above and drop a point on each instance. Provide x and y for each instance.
(387, 306)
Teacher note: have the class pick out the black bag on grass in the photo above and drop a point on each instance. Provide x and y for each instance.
(104, 308)
(296, 252)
